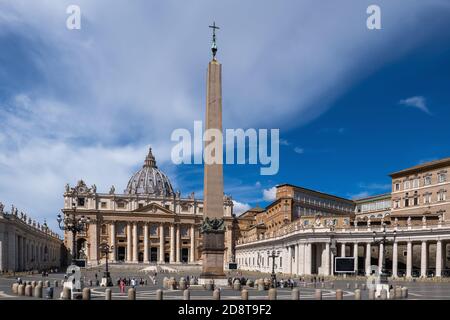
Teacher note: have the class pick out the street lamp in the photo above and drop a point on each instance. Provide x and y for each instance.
(273, 254)
(106, 249)
(383, 241)
(71, 223)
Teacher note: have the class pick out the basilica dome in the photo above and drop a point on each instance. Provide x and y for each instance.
(150, 180)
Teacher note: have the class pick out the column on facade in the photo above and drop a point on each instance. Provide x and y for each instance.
(178, 245)
(380, 256)
(289, 259)
(308, 259)
(423, 259)
(368, 258)
(355, 255)
(192, 249)
(135, 242)
(129, 249)
(161, 243)
(113, 241)
(326, 261)
(408, 259)
(146, 242)
(301, 259)
(172, 243)
(342, 249)
(438, 258)
(395, 259)
(297, 256)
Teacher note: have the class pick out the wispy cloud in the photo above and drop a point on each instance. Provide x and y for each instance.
(239, 207)
(359, 195)
(375, 186)
(270, 194)
(418, 102)
(299, 150)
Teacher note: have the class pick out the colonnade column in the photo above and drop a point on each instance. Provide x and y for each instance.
(368, 258)
(135, 242)
(395, 259)
(161, 243)
(342, 249)
(192, 250)
(438, 258)
(178, 247)
(308, 266)
(297, 254)
(327, 261)
(172, 243)
(146, 242)
(380, 256)
(113, 241)
(355, 255)
(408, 259)
(423, 260)
(129, 250)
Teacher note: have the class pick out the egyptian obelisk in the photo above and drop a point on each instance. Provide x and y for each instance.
(213, 224)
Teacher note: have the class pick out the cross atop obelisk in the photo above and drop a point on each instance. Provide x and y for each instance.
(214, 45)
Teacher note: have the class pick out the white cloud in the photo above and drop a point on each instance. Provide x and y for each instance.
(299, 150)
(239, 207)
(417, 102)
(362, 194)
(270, 194)
(284, 142)
(375, 186)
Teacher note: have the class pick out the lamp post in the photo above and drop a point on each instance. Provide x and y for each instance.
(383, 241)
(106, 249)
(273, 254)
(71, 223)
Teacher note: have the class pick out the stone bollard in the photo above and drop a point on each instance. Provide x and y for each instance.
(47, 284)
(38, 292)
(348, 285)
(66, 293)
(182, 284)
(15, 287)
(363, 286)
(186, 294)
(392, 294)
(398, 292)
(356, 285)
(250, 283)
(40, 283)
(86, 295)
(108, 294)
(159, 294)
(55, 283)
(131, 294)
(21, 290)
(357, 294)
(237, 285)
(33, 284)
(216, 294)
(165, 285)
(244, 294)
(28, 290)
(339, 294)
(383, 294)
(272, 294)
(295, 294)
(318, 294)
(371, 294)
(322, 285)
(404, 292)
(331, 285)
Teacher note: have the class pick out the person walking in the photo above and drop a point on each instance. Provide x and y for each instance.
(122, 286)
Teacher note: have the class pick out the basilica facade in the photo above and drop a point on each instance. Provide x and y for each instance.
(149, 223)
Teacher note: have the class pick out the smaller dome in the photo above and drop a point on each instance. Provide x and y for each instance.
(150, 180)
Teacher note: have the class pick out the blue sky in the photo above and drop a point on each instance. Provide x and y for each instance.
(352, 105)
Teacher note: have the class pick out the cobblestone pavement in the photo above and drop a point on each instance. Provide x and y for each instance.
(417, 290)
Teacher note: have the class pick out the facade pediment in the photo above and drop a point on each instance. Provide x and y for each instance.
(153, 208)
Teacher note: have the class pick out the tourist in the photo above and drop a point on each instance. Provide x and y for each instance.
(122, 286)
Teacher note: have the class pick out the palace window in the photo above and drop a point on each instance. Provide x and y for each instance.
(406, 185)
(153, 230)
(427, 198)
(416, 183)
(184, 231)
(406, 200)
(104, 231)
(416, 201)
(427, 180)
(397, 204)
(103, 204)
(397, 186)
(140, 205)
(441, 195)
(120, 204)
(442, 177)
(80, 202)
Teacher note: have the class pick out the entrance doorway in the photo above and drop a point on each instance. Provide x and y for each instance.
(121, 254)
(154, 254)
(184, 255)
(166, 257)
